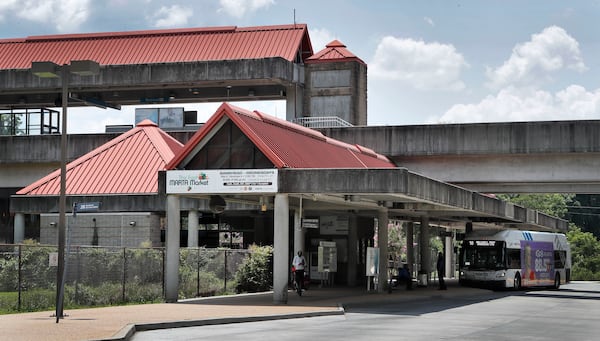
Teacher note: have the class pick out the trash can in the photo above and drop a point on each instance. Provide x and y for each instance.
(422, 279)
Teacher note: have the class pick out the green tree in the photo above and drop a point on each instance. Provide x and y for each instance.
(585, 254)
(553, 204)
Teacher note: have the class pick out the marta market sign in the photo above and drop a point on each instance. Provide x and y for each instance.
(215, 181)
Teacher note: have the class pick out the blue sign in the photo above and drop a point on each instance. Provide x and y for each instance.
(86, 206)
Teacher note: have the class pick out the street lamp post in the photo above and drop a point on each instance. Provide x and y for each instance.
(52, 70)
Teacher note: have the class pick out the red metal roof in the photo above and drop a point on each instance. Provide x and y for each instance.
(128, 164)
(287, 145)
(160, 46)
(335, 51)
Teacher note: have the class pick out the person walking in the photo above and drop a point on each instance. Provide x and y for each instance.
(298, 264)
(441, 269)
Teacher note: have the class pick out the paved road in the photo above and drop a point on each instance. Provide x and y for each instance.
(572, 313)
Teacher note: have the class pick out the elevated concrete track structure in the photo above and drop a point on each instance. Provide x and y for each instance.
(514, 157)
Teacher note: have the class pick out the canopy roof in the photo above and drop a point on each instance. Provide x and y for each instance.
(125, 165)
(290, 42)
(285, 144)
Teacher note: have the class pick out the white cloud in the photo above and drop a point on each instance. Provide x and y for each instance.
(424, 66)
(174, 16)
(429, 21)
(319, 38)
(531, 63)
(528, 104)
(237, 8)
(65, 15)
(7, 6)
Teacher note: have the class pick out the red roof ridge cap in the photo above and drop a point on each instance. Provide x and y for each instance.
(176, 31)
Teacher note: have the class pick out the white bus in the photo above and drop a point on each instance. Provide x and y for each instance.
(514, 259)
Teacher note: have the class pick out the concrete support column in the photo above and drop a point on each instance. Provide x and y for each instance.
(293, 101)
(382, 242)
(410, 248)
(298, 233)
(281, 264)
(424, 247)
(448, 253)
(172, 249)
(19, 228)
(352, 250)
(193, 228)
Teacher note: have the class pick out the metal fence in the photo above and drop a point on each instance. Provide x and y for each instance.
(97, 276)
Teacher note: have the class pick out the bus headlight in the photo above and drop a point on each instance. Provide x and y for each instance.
(501, 274)
(462, 273)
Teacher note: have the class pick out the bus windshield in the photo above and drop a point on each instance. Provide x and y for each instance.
(482, 255)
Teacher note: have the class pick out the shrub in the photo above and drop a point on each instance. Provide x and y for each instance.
(255, 274)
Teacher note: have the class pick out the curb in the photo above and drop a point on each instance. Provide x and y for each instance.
(128, 331)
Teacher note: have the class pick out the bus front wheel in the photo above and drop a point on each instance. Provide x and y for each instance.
(557, 281)
(517, 282)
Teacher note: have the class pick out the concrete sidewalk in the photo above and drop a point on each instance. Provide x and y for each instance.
(120, 322)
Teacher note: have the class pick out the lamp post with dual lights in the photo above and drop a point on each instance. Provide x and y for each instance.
(47, 69)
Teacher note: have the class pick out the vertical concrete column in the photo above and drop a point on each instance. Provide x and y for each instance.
(293, 101)
(193, 228)
(382, 241)
(19, 228)
(172, 249)
(410, 248)
(298, 233)
(281, 232)
(424, 248)
(448, 253)
(352, 250)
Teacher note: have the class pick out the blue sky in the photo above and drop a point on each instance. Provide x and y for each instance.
(428, 61)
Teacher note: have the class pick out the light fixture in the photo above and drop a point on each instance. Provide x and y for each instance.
(132, 223)
(53, 224)
(171, 96)
(47, 69)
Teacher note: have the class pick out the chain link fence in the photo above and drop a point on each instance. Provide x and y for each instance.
(99, 276)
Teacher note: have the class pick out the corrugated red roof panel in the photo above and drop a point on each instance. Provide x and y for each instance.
(128, 164)
(287, 145)
(160, 46)
(335, 51)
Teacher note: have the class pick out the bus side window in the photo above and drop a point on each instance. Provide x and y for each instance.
(514, 258)
(558, 259)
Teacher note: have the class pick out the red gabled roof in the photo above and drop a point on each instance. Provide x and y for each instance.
(334, 52)
(160, 46)
(128, 164)
(285, 144)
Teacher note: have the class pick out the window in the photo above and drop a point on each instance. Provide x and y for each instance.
(229, 148)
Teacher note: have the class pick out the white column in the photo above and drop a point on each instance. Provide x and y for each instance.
(382, 242)
(448, 253)
(424, 248)
(172, 249)
(410, 249)
(19, 228)
(298, 233)
(281, 235)
(193, 228)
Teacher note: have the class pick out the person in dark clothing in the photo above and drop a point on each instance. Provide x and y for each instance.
(441, 269)
(404, 276)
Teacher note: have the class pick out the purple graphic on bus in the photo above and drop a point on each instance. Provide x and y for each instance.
(537, 262)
